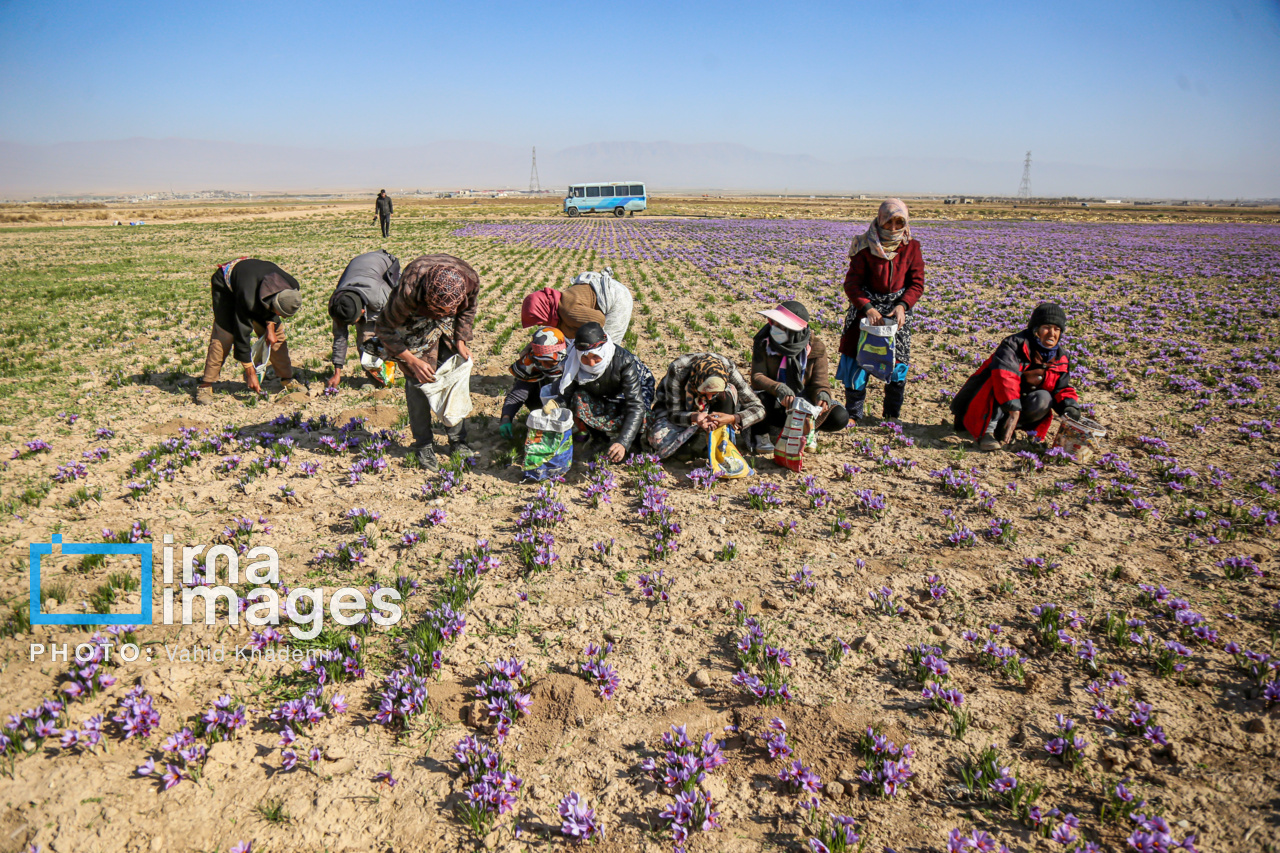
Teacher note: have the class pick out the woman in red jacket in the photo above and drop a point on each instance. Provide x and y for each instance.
(885, 278)
(1021, 385)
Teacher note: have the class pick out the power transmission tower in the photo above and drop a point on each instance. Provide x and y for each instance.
(1024, 188)
(535, 185)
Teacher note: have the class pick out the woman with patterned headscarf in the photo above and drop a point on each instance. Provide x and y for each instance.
(429, 317)
(609, 390)
(540, 365)
(701, 392)
(885, 278)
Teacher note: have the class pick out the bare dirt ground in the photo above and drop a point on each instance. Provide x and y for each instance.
(110, 325)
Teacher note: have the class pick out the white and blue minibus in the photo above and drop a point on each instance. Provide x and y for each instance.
(618, 198)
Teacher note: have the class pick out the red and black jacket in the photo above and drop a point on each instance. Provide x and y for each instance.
(999, 381)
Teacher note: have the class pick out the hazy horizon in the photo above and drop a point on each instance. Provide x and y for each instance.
(146, 166)
(1143, 99)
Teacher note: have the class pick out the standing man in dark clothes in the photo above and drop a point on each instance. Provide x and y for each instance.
(249, 296)
(359, 298)
(384, 212)
(429, 317)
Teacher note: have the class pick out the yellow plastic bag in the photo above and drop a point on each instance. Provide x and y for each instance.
(723, 457)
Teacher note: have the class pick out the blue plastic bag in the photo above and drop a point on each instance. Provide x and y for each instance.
(875, 349)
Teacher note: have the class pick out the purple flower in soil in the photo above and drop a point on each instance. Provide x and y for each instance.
(147, 767)
(579, 820)
(980, 841)
(1063, 834)
(385, 777)
(172, 776)
(244, 846)
(288, 759)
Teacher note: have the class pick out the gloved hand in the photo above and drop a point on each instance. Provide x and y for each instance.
(1071, 411)
(506, 430)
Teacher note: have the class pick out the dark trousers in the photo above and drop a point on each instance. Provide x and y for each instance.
(775, 415)
(385, 222)
(894, 393)
(1035, 408)
(221, 340)
(420, 410)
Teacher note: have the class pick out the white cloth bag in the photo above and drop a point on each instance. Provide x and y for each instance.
(449, 395)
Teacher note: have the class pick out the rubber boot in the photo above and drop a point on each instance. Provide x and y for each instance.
(855, 400)
(893, 394)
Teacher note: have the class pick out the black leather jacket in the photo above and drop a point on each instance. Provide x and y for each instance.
(626, 380)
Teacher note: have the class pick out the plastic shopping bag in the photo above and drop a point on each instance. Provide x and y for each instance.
(260, 355)
(383, 369)
(789, 451)
(875, 349)
(723, 457)
(449, 395)
(548, 446)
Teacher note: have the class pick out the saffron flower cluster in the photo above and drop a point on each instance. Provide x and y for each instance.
(599, 673)
(579, 821)
(534, 539)
(756, 651)
(600, 483)
(492, 789)
(1066, 745)
(681, 769)
(501, 693)
(886, 766)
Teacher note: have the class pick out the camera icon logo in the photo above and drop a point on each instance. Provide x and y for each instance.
(141, 550)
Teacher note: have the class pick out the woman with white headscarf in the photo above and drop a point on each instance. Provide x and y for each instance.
(885, 278)
(609, 390)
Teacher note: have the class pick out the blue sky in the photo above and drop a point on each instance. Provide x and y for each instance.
(1167, 85)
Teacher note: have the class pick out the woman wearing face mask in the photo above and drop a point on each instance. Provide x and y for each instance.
(609, 390)
(885, 278)
(539, 366)
(701, 392)
(1021, 385)
(788, 361)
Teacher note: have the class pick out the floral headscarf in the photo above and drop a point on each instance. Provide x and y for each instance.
(707, 375)
(543, 358)
(443, 288)
(879, 238)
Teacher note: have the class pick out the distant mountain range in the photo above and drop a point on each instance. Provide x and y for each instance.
(188, 165)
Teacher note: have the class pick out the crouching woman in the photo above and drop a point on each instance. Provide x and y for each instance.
(1021, 385)
(609, 390)
(540, 366)
(788, 361)
(701, 392)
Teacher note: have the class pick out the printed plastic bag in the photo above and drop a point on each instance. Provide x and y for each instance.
(548, 446)
(723, 457)
(384, 370)
(875, 349)
(789, 451)
(449, 395)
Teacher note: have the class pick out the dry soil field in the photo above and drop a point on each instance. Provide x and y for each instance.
(1014, 644)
